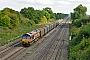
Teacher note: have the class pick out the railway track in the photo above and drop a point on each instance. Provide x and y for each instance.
(6, 47)
(7, 51)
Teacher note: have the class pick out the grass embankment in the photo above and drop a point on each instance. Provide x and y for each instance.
(7, 35)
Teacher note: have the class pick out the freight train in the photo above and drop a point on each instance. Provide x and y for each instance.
(30, 37)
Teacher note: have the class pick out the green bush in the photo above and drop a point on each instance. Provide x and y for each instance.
(5, 21)
(77, 22)
(85, 30)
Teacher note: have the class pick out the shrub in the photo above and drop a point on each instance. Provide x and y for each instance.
(77, 22)
(5, 21)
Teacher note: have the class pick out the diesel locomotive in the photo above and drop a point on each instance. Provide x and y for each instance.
(30, 37)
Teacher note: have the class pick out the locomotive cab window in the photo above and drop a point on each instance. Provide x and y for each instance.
(24, 37)
(28, 37)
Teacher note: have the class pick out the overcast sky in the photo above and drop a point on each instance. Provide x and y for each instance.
(58, 6)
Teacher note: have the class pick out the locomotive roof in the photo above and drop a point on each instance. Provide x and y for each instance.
(32, 32)
(26, 34)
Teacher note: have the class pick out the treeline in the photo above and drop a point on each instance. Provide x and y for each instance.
(12, 19)
(80, 34)
(60, 15)
(37, 15)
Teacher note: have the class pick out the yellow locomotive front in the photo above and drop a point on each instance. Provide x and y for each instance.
(26, 39)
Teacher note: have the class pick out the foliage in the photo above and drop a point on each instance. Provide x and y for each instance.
(80, 43)
(37, 15)
(77, 22)
(44, 20)
(79, 12)
(80, 33)
(49, 10)
(60, 15)
(28, 12)
(74, 35)
(46, 14)
(12, 19)
(80, 51)
(30, 23)
(5, 21)
(85, 30)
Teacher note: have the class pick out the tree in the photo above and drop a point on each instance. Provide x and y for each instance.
(28, 12)
(60, 15)
(14, 20)
(44, 20)
(49, 10)
(32, 14)
(5, 21)
(46, 14)
(79, 12)
(38, 14)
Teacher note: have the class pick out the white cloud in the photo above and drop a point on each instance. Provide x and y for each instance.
(63, 2)
(45, 1)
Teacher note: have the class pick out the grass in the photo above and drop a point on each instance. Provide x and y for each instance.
(7, 35)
